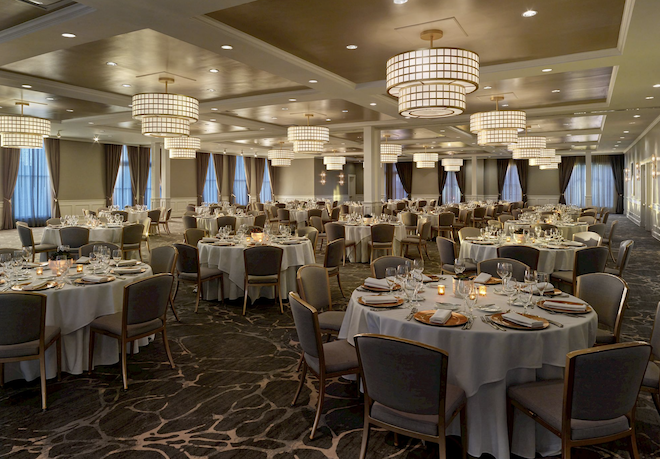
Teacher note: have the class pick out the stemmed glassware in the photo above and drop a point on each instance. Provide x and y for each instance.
(416, 280)
(116, 256)
(459, 266)
(390, 277)
(526, 296)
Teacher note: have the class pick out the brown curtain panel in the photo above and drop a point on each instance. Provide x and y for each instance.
(565, 171)
(248, 164)
(231, 172)
(523, 172)
(145, 161)
(134, 168)
(502, 167)
(389, 181)
(52, 149)
(259, 166)
(217, 164)
(112, 160)
(405, 171)
(442, 180)
(12, 159)
(271, 172)
(617, 162)
(460, 181)
(202, 160)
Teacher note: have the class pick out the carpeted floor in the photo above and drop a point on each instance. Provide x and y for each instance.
(230, 394)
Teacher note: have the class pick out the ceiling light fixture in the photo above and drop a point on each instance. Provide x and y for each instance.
(69, 35)
(334, 163)
(182, 147)
(529, 14)
(425, 160)
(308, 139)
(432, 82)
(452, 164)
(527, 147)
(126, 85)
(165, 115)
(498, 127)
(313, 81)
(292, 100)
(26, 86)
(111, 64)
(227, 47)
(351, 46)
(280, 157)
(546, 70)
(400, 2)
(23, 131)
(389, 152)
(214, 70)
(649, 97)
(556, 90)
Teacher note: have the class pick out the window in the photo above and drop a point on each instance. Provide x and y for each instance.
(511, 191)
(211, 186)
(602, 182)
(240, 183)
(451, 193)
(266, 194)
(32, 195)
(399, 192)
(123, 194)
(147, 192)
(576, 190)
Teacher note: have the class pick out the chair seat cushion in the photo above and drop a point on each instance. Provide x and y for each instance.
(423, 423)
(333, 270)
(566, 276)
(270, 279)
(112, 324)
(28, 348)
(605, 337)
(380, 245)
(205, 272)
(410, 240)
(614, 271)
(44, 247)
(651, 377)
(339, 356)
(331, 320)
(545, 398)
(131, 246)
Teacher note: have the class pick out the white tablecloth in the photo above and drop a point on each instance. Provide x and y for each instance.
(210, 224)
(137, 217)
(299, 216)
(483, 362)
(550, 260)
(51, 235)
(230, 261)
(72, 309)
(567, 231)
(361, 234)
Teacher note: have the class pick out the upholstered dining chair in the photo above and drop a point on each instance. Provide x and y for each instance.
(260, 220)
(123, 213)
(622, 257)
(165, 220)
(323, 360)
(75, 237)
(332, 261)
(379, 265)
(154, 215)
(651, 382)
(588, 238)
(406, 390)
(317, 223)
(605, 217)
(24, 334)
(143, 313)
(409, 220)
(504, 218)
(189, 222)
(466, 232)
(338, 231)
(447, 252)
(464, 219)
(594, 403)
(163, 260)
(382, 238)
(490, 266)
(227, 220)
(284, 216)
(27, 240)
(310, 233)
(589, 220)
(587, 260)
(478, 216)
(314, 213)
(193, 235)
(610, 237)
(607, 295)
(589, 212)
(53, 221)
(263, 266)
(523, 253)
(445, 226)
(146, 226)
(598, 228)
(189, 269)
(419, 239)
(131, 239)
(86, 249)
(314, 288)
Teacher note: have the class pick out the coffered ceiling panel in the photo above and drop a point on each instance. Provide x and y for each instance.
(15, 12)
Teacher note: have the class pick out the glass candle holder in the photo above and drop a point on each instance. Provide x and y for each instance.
(40, 271)
(482, 290)
(441, 289)
(79, 268)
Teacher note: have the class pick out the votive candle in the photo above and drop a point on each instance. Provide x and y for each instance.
(40, 271)
(441, 289)
(79, 268)
(482, 290)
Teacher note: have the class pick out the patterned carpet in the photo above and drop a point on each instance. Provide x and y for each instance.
(230, 394)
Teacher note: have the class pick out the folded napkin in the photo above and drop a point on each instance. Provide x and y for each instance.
(573, 243)
(426, 278)
(379, 299)
(127, 263)
(82, 260)
(128, 270)
(555, 246)
(440, 316)
(522, 320)
(32, 265)
(210, 239)
(482, 278)
(36, 285)
(566, 306)
(540, 287)
(377, 283)
(94, 278)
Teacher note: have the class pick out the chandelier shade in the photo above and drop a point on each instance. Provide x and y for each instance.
(452, 168)
(549, 166)
(528, 147)
(182, 154)
(426, 157)
(497, 127)
(327, 160)
(283, 162)
(160, 126)
(334, 167)
(280, 154)
(182, 147)
(308, 146)
(313, 133)
(388, 159)
(432, 101)
(391, 149)
(452, 162)
(23, 131)
(425, 164)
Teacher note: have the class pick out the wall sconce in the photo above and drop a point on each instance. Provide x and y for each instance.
(654, 166)
(626, 175)
(638, 172)
(322, 178)
(341, 178)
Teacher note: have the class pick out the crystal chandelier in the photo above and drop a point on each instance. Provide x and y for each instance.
(389, 152)
(182, 147)
(432, 82)
(425, 160)
(23, 131)
(280, 157)
(165, 115)
(308, 139)
(497, 128)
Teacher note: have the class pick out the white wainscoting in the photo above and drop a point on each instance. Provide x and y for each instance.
(75, 207)
(178, 205)
(541, 199)
(633, 210)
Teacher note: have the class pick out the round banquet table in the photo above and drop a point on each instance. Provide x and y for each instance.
(550, 260)
(484, 362)
(210, 224)
(72, 309)
(301, 217)
(361, 234)
(567, 231)
(51, 235)
(230, 261)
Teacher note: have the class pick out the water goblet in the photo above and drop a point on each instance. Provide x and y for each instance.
(459, 266)
(390, 276)
(526, 296)
(418, 265)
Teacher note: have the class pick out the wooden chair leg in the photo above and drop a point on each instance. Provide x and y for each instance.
(42, 370)
(634, 452)
(279, 297)
(319, 407)
(340, 289)
(58, 350)
(124, 364)
(174, 310)
(167, 348)
(509, 420)
(365, 439)
(464, 433)
(132, 348)
(245, 297)
(656, 401)
(302, 380)
(90, 360)
(199, 293)
(2, 375)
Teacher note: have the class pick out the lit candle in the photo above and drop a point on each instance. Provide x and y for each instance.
(508, 239)
(482, 290)
(79, 268)
(441, 289)
(40, 271)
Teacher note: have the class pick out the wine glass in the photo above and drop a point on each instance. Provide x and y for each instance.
(390, 276)
(471, 299)
(459, 266)
(418, 265)
(530, 276)
(416, 279)
(501, 269)
(526, 296)
(543, 282)
(116, 256)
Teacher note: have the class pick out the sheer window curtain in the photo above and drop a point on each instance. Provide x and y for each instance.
(266, 194)
(217, 163)
(576, 189)
(210, 193)
(451, 193)
(273, 179)
(123, 192)
(32, 193)
(511, 189)
(603, 189)
(240, 185)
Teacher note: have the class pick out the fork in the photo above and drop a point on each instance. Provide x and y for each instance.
(413, 310)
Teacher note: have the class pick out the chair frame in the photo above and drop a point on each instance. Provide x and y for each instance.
(139, 243)
(262, 284)
(616, 331)
(166, 223)
(574, 282)
(325, 263)
(389, 249)
(653, 391)
(172, 272)
(421, 243)
(199, 282)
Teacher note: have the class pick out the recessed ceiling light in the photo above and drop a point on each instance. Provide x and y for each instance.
(505, 105)
(90, 122)
(292, 100)
(130, 105)
(111, 64)
(50, 98)
(488, 87)
(274, 118)
(649, 97)
(546, 70)
(69, 110)
(351, 46)
(262, 129)
(211, 90)
(400, 2)
(69, 35)
(284, 108)
(656, 85)
(529, 13)
(313, 81)
(626, 132)
(26, 86)
(214, 109)
(344, 111)
(126, 85)
(637, 116)
(556, 90)
(328, 119)
(622, 137)
(227, 47)
(214, 70)
(373, 103)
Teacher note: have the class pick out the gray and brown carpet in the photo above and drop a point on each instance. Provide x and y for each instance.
(230, 394)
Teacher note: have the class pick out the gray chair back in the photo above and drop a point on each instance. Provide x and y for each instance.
(425, 230)
(314, 213)
(53, 221)
(263, 260)
(454, 210)
(193, 235)
(132, 234)
(314, 286)
(74, 236)
(163, 259)
(168, 214)
(283, 215)
(227, 220)
(154, 215)
(479, 212)
(522, 253)
(588, 238)
(598, 228)
(605, 380)
(589, 220)
(305, 316)
(86, 249)
(613, 226)
(334, 253)
(345, 209)
(606, 293)
(516, 213)
(655, 333)
(404, 375)
(446, 219)
(147, 299)
(588, 213)
(335, 231)
(25, 235)
(446, 250)
(606, 215)
(187, 261)
(590, 260)
(505, 218)
(622, 258)
(463, 215)
(22, 317)
(490, 266)
(189, 222)
(317, 223)
(468, 232)
(260, 220)
(310, 233)
(379, 265)
(383, 232)
(190, 208)
(334, 214)
(123, 213)
(409, 218)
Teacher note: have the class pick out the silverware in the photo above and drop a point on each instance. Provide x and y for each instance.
(555, 323)
(383, 309)
(412, 314)
(489, 321)
(468, 324)
(483, 319)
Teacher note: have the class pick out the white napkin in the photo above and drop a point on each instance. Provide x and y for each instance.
(573, 243)
(127, 263)
(522, 320)
(568, 307)
(440, 316)
(379, 299)
(426, 278)
(482, 278)
(36, 285)
(541, 287)
(377, 283)
(210, 239)
(128, 270)
(94, 278)
(555, 246)
(82, 260)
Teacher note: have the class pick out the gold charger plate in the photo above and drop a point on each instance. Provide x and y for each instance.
(499, 320)
(565, 311)
(491, 281)
(84, 282)
(432, 278)
(457, 319)
(142, 270)
(19, 287)
(380, 290)
(398, 302)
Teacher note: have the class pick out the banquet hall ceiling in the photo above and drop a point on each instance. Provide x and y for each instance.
(603, 55)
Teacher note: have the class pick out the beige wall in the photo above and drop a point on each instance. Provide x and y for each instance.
(490, 177)
(296, 180)
(82, 171)
(425, 182)
(183, 177)
(543, 182)
(331, 189)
